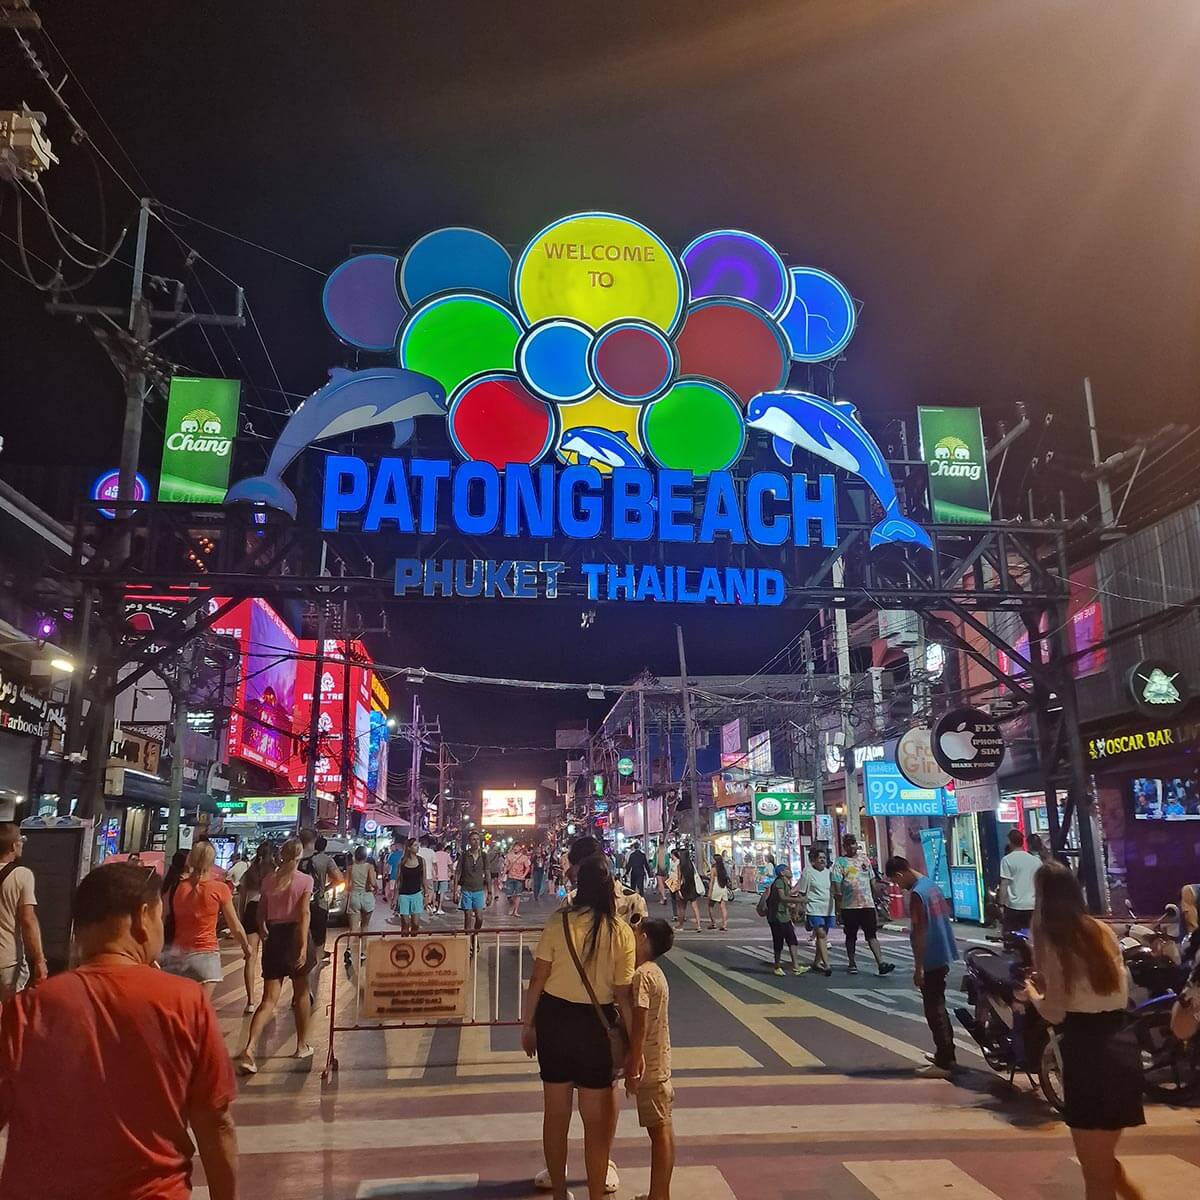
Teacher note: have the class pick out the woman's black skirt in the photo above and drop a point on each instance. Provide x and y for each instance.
(1102, 1071)
(279, 953)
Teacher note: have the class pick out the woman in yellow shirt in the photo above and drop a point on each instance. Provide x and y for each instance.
(562, 1027)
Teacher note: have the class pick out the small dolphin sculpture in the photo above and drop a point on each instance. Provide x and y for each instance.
(350, 400)
(601, 447)
(831, 430)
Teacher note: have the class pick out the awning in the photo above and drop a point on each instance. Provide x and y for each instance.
(385, 817)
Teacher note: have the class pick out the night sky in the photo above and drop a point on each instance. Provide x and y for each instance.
(1009, 187)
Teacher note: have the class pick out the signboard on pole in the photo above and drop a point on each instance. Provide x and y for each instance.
(953, 450)
(415, 979)
(784, 806)
(889, 794)
(202, 418)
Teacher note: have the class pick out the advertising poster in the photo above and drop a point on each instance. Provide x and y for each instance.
(953, 450)
(202, 418)
(889, 794)
(509, 808)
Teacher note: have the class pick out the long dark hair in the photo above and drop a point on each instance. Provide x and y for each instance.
(263, 865)
(179, 861)
(722, 874)
(687, 869)
(1062, 926)
(594, 894)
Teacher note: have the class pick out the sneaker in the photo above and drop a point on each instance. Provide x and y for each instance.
(932, 1071)
(827, 972)
(612, 1181)
(778, 970)
(851, 970)
(799, 970)
(886, 968)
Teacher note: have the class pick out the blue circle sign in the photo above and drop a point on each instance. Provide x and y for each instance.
(820, 320)
(107, 487)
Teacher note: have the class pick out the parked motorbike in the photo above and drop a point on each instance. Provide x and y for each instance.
(1012, 1036)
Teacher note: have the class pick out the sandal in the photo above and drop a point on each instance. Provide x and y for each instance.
(245, 1065)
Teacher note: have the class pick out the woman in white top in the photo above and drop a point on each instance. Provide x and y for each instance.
(1081, 987)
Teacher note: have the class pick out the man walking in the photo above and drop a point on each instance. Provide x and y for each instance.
(426, 855)
(637, 865)
(127, 1062)
(21, 958)
(1017, 869)
(441, 877)
(473, 884)
(934, 949)
(316, 862)
(852, 875)
(495, 866)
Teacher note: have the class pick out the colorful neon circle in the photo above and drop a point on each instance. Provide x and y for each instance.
(552, 359)
(697, 426)
(454, 337)
(821, 319)
(729, 262)
(361, 302)
(108, 487)
(598, 268)
(455, 259)
(633, 361)
(495, 418)
(735, 343)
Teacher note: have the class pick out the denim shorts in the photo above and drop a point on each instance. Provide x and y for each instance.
(203, 966)
(362, 902)
(473, 901)
(822, 922)
(514, 887)
(410, 905)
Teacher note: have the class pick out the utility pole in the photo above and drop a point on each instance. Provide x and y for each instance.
(644, 766)
(690, 735)
(135, 379)
(441, 800)
(183, 683)
(414, 775)
(841, 637)
(1103, 491)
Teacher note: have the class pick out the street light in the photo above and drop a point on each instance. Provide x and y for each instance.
(62, 664)
(391, 722)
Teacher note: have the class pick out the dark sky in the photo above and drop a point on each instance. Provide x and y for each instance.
(1008, 185)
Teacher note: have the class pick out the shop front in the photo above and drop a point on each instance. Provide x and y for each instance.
(1146, 773)
(31, 728)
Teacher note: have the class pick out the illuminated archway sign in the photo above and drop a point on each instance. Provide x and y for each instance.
(604, 386)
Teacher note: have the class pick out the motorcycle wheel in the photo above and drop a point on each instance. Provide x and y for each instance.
(1050, 1076)
(1178, 1082)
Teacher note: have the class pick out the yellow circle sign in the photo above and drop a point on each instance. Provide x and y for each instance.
(597, 268)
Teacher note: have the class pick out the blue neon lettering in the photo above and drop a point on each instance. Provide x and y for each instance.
(649, 585)
(592, 573)
(525, 580)
(633, 514)
(551, 570)
(461, 586)
(620, 580)
(822, 508)
(771, 586)
(523, 499)
(439, 575)
(488, 517)
(389, 498)
(722, 513)
(580, 517)
(428, 472)
(764, 530)
(495, 579)
(674, 503)
(408, 575)
(336, 499)
(741, 586)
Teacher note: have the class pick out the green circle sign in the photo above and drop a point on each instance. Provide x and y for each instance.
(454, 337)
(625, 766)
(697, 426)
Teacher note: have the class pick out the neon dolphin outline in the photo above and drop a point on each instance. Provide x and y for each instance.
(831, 430)
(605, 447)
(351, 400)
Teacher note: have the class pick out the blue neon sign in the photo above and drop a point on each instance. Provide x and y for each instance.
(889, 794)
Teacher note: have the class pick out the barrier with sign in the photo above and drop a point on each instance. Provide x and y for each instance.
(431, 979)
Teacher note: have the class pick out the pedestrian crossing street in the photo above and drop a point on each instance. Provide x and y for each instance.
(1158, 1175)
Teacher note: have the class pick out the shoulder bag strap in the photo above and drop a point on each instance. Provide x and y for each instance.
(587, 983)
(8, 869)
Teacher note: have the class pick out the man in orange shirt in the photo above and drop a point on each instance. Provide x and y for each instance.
(122, 1057)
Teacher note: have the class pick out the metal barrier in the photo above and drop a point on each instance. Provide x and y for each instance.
(485, 961)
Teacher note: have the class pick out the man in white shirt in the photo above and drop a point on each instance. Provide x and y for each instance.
(237, 869)
(816, 889)
(1017, 869)
(22, 960)
(441, 877)
(425, 853)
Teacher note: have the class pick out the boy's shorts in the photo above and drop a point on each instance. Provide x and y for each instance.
(654, 1104)
(823, 922)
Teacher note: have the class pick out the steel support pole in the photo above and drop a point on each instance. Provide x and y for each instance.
(690, 735)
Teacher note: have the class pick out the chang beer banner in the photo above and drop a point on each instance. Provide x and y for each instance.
(202, 419)
(952, 447)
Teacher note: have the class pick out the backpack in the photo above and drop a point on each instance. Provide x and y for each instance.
(764, 903)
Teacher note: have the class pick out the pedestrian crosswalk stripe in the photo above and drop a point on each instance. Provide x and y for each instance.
(917, 1179)
(423, 1185)
(1161, 1174)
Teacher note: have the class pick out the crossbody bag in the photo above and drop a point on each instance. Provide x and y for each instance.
(614, 1029)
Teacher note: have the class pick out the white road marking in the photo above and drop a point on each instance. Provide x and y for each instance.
(917, 1179)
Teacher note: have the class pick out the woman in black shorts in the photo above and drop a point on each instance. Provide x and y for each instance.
(262, 868)
(561, 1025)
(1081, 986)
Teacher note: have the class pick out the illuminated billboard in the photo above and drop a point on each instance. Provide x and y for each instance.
(201, 424)
(265, 810)
(509, 808)
(262, 723)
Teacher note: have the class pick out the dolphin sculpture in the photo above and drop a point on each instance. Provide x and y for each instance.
(350, 400)
(601, 447)
(830, 429)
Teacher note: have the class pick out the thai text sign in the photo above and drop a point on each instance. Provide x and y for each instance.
(415, 979)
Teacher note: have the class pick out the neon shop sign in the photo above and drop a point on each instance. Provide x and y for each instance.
(600, 385)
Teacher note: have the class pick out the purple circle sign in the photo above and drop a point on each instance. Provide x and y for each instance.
(728, 262)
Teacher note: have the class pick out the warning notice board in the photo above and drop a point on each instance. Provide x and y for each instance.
(415, 979)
